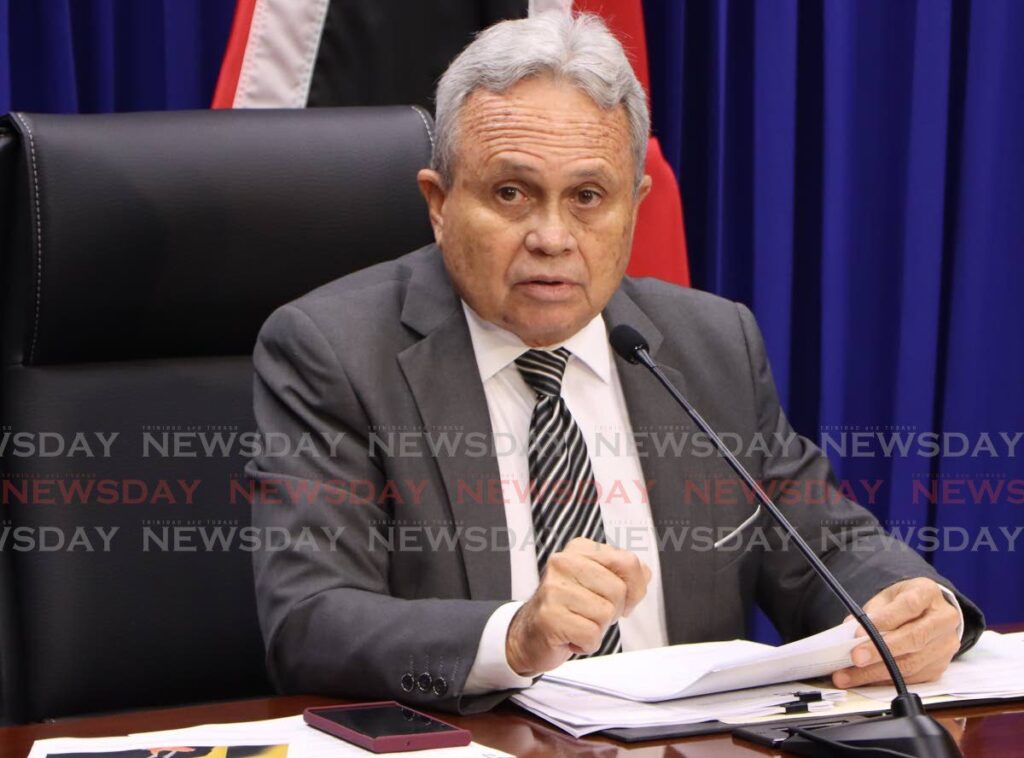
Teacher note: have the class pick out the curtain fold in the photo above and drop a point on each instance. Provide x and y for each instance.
(90, 56)
(853, 171)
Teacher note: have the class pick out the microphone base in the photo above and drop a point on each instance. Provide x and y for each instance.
(909, 731)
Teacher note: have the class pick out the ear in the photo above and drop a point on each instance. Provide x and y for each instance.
(644, 189)
(641, 193)
(433, 191)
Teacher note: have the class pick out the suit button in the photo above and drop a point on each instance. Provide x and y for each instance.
(408, 682)
(424, 682)
(440, 686)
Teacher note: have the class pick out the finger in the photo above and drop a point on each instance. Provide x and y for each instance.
(582, 546)
(627, 567)
(912, 600)
(877, 673)
(923, 665)
(562, 593)
(935, 624)
(582, 569)
(876, 603)
(556, 625)
(582, 635)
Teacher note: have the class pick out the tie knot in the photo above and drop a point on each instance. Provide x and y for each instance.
(543, 370)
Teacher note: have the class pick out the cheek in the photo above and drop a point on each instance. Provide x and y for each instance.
(478, 252)
(606, 248)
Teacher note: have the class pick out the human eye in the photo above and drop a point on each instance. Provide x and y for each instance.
(588, 197)
(510, 194)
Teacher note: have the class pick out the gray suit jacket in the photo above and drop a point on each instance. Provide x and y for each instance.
(399, 561)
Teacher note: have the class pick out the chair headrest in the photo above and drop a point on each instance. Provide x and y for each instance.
(148, 235)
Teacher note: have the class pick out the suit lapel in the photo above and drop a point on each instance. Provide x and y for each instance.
(442, 374)
(686, 573)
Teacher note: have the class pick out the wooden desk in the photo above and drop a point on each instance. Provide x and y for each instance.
(989, 731)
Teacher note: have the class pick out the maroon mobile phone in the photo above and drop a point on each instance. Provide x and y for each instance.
(385, 727)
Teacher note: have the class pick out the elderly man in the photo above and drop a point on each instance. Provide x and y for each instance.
(458, 570)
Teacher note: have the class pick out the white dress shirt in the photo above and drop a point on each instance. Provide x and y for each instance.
(593, 393)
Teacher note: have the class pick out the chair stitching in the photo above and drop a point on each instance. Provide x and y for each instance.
(426, 125)
(37, 209)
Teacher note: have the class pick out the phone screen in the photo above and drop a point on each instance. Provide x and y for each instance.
(383, 720)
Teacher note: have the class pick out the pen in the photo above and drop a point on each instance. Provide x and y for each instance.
(797, 706)
(814, 696)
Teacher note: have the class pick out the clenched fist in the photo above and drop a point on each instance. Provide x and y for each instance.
(585, 589)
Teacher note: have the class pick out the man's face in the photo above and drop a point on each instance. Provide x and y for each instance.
(537, 226)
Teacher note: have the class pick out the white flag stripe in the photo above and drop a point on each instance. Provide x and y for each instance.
(278, 64)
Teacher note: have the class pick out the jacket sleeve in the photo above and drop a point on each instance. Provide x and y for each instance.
(847, 538)
(328, 619)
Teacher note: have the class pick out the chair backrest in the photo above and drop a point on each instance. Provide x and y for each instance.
(141, 253)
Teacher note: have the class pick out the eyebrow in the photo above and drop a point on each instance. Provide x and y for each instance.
(589, 172)
(516, 166)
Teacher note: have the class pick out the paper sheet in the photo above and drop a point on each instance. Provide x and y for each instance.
(670, 673)
(992, 668)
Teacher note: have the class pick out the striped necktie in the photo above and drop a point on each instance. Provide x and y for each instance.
(562, 489)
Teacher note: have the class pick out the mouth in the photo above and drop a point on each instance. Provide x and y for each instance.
(547, 288)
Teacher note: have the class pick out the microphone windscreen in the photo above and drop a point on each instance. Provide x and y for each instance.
(626, 341)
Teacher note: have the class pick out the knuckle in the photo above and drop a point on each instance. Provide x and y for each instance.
(557, 562)
(952, 647)
(913, 664)
(619, 590)
(607, 611)
(592, 638)
(919, 637)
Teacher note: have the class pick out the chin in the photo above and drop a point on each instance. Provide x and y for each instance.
(536, 335)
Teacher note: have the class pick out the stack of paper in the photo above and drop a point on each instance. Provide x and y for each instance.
(678, 684)
(584, 713)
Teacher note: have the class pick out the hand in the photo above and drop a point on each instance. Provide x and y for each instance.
(919, 625)
(584, 590)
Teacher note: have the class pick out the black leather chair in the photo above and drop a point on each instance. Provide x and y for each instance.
(141, 253)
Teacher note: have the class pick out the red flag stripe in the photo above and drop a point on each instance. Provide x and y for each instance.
(231, 68)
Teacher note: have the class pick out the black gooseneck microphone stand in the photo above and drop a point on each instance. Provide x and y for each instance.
(909, 731)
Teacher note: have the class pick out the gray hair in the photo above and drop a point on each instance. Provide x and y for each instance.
(579, 49)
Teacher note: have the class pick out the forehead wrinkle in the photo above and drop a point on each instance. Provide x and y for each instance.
(497, 153)
(489, 112)
(543, 121)
(494, 125)
(560, 139)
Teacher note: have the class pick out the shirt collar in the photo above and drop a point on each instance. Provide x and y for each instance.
(496, 348)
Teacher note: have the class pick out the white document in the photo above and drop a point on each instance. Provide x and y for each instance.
(992, 668)
(303, 742)
(677, 671)
(581, 712)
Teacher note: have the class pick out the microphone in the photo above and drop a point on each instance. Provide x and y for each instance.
(909, 731)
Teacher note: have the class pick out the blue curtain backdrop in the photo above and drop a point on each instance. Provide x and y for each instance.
(852, 169)
(88, 56)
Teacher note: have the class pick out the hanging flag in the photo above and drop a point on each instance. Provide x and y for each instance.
(313, 53)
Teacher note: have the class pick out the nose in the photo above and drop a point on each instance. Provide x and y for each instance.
(550, 235)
